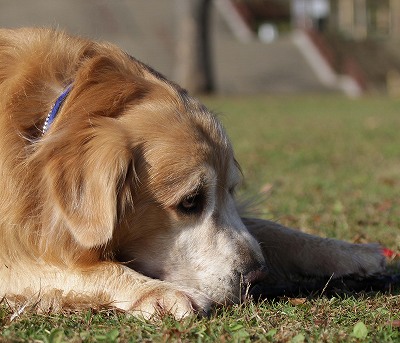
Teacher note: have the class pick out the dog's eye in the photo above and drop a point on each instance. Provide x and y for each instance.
(191, 204)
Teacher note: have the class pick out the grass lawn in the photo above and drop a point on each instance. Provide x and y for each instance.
(326, 165)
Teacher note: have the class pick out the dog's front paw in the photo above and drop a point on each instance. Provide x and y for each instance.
(160, 298)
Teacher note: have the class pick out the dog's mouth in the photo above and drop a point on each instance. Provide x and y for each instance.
(250, 283)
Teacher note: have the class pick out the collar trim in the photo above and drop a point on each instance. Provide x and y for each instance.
(56, 107)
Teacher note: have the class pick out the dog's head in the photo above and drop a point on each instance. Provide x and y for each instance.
(136, 167)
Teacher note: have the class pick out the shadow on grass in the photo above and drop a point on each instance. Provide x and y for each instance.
(351, 285)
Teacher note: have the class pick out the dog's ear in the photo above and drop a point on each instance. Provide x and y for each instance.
(105, 86)
(84, 179)
(87, 153)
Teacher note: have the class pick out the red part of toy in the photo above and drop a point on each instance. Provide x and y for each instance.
(388, 253)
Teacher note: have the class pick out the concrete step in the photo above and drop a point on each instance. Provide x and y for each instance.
(145, 29)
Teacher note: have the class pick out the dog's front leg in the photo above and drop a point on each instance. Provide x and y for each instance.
(105, 284)
(289, 252)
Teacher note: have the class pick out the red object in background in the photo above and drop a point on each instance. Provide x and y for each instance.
(389, 253)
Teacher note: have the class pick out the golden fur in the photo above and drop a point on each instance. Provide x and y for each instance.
(127, 200)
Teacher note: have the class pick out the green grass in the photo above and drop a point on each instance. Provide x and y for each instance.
(331, 166)
(323, 319)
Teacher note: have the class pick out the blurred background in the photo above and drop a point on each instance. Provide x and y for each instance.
(326, 163)
(241, 46)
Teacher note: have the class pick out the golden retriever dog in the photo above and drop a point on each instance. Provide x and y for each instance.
(117, 189)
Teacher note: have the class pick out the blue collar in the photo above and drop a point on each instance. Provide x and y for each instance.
(56, 107)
